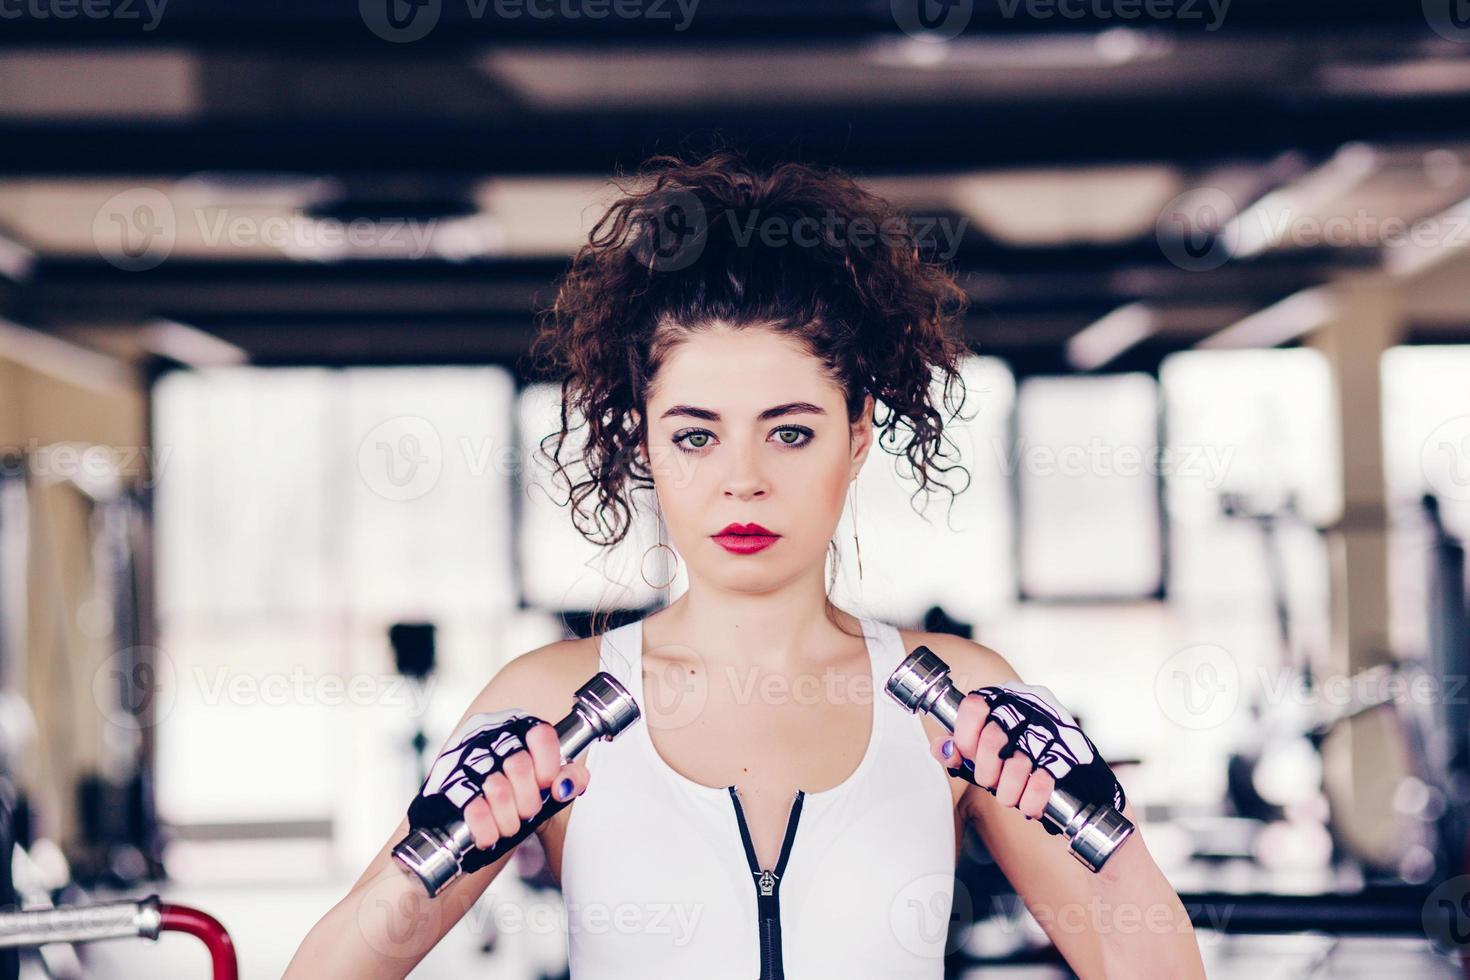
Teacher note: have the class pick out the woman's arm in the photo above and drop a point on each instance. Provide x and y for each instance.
(1124, 922)
(386, 923)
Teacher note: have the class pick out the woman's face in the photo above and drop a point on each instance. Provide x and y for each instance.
(744, 427)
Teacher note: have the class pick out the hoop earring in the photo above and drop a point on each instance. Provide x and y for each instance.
(643, 562)
(852, 497)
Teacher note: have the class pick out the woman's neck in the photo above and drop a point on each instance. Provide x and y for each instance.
(777, 632)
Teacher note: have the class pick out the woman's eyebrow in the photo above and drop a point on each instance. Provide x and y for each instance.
(790, 408)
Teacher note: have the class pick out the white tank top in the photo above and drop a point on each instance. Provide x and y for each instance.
(660, 879)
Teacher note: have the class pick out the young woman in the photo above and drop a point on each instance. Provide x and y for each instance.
(724, 337)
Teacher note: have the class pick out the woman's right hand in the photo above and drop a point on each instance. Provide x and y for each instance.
(497, 772)
(513, 795)
(386, 923)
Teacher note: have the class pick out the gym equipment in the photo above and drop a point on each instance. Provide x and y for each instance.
(1425, 740)
(413, 656)
(143, 919)
(1093, 830)
(1448, 660)
(121, 840)
(602, 708)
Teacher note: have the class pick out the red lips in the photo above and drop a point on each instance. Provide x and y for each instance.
(745, 539)
(745, 529)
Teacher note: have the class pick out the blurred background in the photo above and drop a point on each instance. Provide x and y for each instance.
(269, 515)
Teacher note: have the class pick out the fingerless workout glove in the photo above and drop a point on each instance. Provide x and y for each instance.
(1038, 726)
(458, 775)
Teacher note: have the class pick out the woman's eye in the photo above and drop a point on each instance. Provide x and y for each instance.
(686, 440)
(697, 439)
(794, 433)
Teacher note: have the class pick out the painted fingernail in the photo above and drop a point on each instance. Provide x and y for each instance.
(564, 789)
(948, 748)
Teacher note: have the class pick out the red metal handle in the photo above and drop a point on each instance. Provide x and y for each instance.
(182, 918)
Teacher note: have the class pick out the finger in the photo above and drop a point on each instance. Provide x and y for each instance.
(478, 818)
(545, 749)
(987, 755)
(521, 771)
(973, 713)
(1038, 790)
(571, 781)
(955, 760)
(502, 797)
(1013, 776)
(936, 749)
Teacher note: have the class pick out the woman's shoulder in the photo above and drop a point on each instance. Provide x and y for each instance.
(543, 680)
(971, 664)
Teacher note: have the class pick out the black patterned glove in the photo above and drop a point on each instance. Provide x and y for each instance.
(1039, 727)
(457, 776)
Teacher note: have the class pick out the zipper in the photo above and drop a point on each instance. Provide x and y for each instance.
(768, 885)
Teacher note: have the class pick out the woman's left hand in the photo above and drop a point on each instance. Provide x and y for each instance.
(1022, 744)
(1016, 781)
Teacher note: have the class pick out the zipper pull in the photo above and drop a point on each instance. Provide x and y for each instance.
(768, 882)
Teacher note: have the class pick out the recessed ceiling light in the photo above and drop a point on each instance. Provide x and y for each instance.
(1424, 76)
(1108, 49)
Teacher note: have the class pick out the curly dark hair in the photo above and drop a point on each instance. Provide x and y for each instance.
(802, 250)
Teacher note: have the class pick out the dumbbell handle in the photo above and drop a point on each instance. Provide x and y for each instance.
(602, 709)
(1092, 831)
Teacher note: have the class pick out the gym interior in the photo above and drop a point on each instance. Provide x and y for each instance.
(270, 515)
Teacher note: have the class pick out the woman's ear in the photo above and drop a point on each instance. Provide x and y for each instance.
(862, 436)
(639, 448)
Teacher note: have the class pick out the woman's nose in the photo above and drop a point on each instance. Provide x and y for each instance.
(744, 480)
(745, 490)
